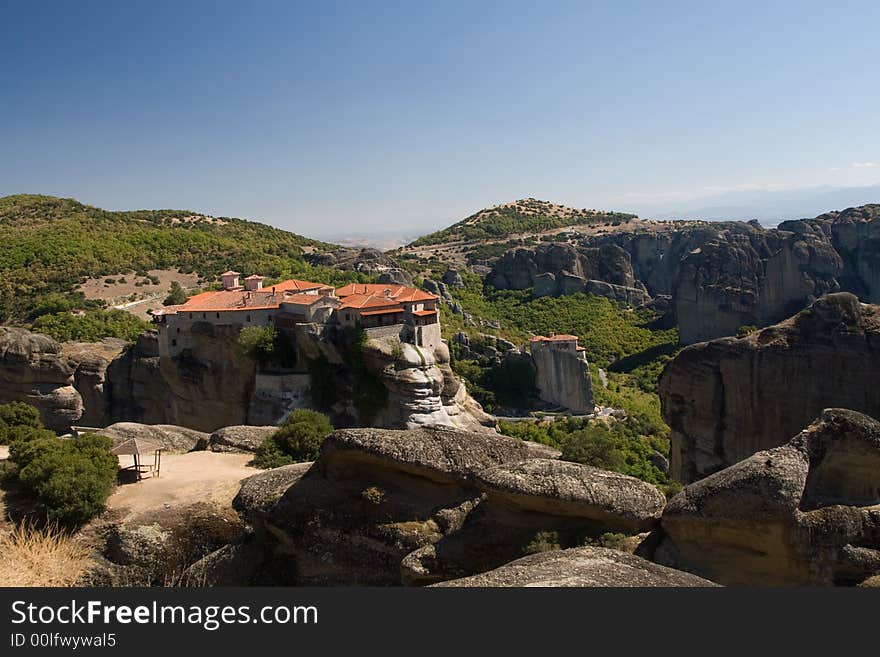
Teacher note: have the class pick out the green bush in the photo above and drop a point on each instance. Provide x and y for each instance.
(594, 446)
(257, 342)
(70, 479)
(19, 421)
(176, 295)
(91, 326)
(298, 439)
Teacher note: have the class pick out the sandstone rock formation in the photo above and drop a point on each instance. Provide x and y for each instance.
(561, 488)
(562, 377)
(721, 275)
(241, 438)
(554, 269)
(421, 506)
(167, 436)
(65, 382)
(806, 513)
(585, 566)
(213, 385)
(751, 276)
(727, 399)
(422, 389)
(176, 546)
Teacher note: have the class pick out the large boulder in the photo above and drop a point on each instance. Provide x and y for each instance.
(239, 438)
(585, 566)
(434, 453)
(806, 513)
(34, 370)
(561, 488)
(384, 507)
(167, 436)
(716, 396)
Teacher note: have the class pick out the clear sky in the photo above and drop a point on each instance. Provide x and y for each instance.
(329, 117)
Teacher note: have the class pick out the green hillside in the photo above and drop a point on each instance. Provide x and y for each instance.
(519, 217)
(49, 245)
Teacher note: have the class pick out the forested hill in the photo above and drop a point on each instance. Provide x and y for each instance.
(49, 245)
(526, 216)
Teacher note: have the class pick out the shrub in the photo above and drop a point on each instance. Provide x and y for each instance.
(176, 295)
(70, 479)
(298, 439)
(594, 446)
(19, 421)
(92, 326)
(257, 342)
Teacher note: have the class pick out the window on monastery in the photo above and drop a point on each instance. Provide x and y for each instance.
(248, 318)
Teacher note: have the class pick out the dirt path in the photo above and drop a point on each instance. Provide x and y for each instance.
(185, 479)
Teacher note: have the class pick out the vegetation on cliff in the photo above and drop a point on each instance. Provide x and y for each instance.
(49, 245)
(523, 216)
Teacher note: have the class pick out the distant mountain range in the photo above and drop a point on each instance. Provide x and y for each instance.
(767, 206)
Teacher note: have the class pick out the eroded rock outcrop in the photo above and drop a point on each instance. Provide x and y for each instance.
(421, 506)
(64, 381)
(241, 438)
(169, 437)
(585, 566)
(421, 388)
(554, 269)
(562, 375)
(806, 513)
(721, 275)
(729, 398)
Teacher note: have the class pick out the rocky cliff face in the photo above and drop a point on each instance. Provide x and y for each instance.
(422, 389)
(729, 398)
(65, 382)
(721, 276)
(555, 269)
(206, 389)
(804, 514)
(563, 378)
(215, 386)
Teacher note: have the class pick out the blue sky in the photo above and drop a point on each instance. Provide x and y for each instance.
(334, 117)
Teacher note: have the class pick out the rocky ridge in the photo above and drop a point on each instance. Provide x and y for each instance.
(716, 396)
(721, 276)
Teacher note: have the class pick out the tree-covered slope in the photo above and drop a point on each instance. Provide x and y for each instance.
(519, 217)
(50, 245)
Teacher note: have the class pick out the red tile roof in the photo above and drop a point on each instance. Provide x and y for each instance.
(266, 298)
(424, 313)
(302, 299)
(400, 293)
(230, 273)
(294, 284)
(368, 301)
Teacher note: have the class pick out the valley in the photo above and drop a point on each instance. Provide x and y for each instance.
(532, 378)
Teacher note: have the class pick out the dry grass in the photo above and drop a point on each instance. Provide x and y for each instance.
(40, 556)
